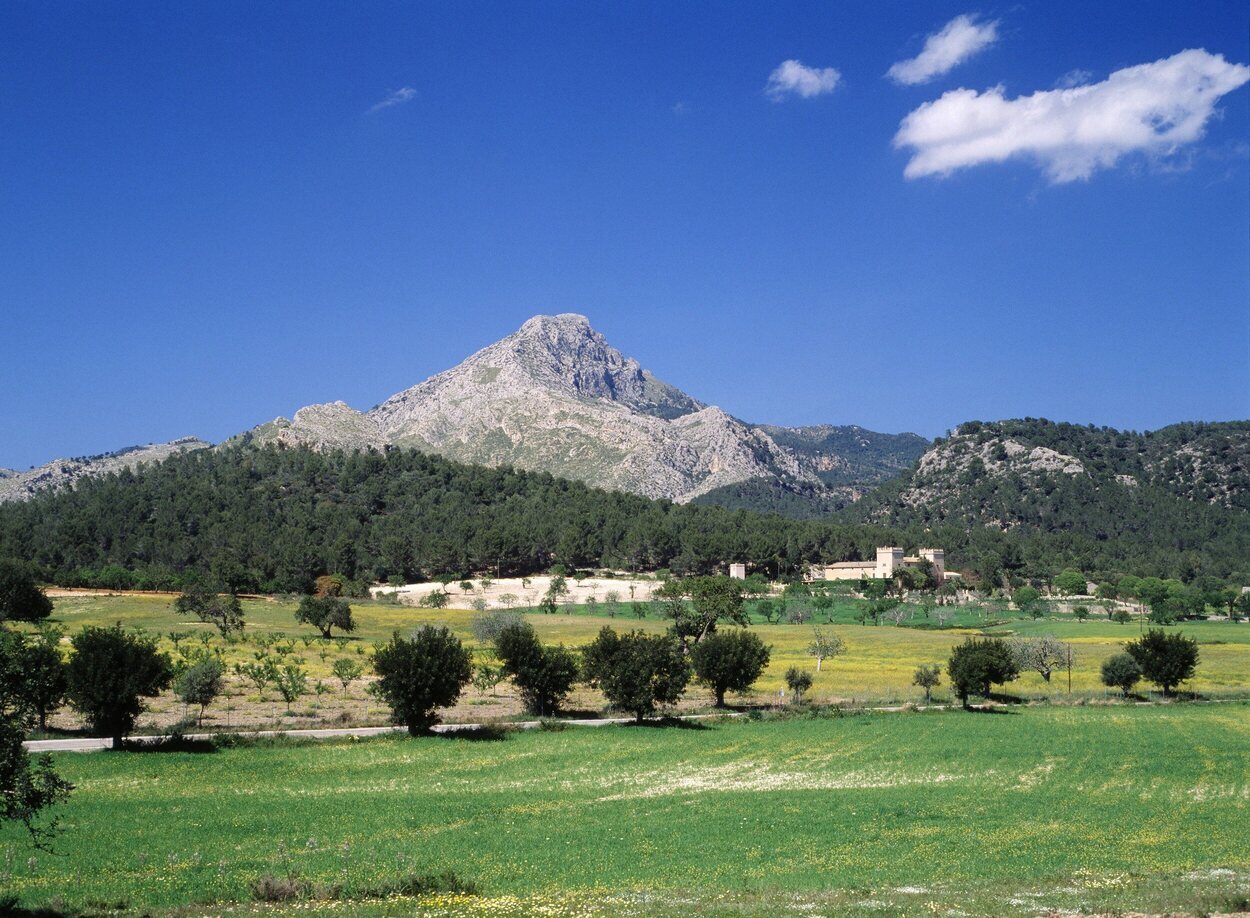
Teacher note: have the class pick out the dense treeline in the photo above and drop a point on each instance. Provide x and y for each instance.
(273, 519)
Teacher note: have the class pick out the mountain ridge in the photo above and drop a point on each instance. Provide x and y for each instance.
(555, 396)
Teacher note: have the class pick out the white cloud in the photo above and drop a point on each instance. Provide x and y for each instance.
(1072, 78)
(792, 77)
(959, 39)
(398, 97)
(1151, 108)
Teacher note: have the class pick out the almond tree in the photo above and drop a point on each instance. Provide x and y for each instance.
(825, 646)
(1042, 655)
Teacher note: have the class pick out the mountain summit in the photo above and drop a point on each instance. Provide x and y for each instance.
(555, 396)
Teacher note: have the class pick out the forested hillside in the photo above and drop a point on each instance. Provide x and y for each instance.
(272, 519)
(1176, 498)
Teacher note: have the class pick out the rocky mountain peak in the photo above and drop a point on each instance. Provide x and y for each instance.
(555, 396)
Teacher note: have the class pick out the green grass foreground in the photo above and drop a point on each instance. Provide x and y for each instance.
(1040, 808)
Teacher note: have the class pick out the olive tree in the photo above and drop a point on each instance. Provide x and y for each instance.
(420, 674)
(977, 664)
(1042, 655)
(1165, 659)
(1121, 671)
(200, 684)
(928, 676)
(825, 646)
(110, 673)
(224, 612)
(636, 671)
(799, 681)
(543, 675)
(325, 613)
(729, 661)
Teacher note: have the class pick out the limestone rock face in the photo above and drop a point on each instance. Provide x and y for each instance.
(16, 485)
(554, 396)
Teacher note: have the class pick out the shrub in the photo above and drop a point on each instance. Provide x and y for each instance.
(799, 681)
(435, 599)
(200, 684)
(729, 661)
(489, 625)
(543, 675)
(978, 663)
(110, 673)
(346, 670)
(1165, 659)
(418, 675)
(1071, 583)
(928, 676)
(637, 671)
(1121, 671)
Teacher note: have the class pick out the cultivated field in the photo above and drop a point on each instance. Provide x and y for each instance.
(1038, 810)
(876, 668)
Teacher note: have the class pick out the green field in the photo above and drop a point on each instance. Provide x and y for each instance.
(1084, 807)
(877, 666)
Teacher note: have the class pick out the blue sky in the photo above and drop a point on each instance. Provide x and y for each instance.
(210, 217)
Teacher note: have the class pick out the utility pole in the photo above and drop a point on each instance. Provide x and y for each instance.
(1069, 669)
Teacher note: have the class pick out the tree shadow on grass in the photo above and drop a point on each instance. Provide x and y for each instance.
(169, 744)
(673, 723)
(990, 709)
(1004, 698)
(487, 733)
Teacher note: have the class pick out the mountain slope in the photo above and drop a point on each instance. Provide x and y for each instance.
(1097, 482)
(554, 396)
(16, 485)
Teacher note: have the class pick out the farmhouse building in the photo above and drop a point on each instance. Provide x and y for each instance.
(889, 559)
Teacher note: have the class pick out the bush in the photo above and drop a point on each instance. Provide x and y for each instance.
(978, 663)
(799, 681)
(729, 661)
(489, 625)
(543, 675)
(637, 671)
(1071, 583)
(418, 675)
(110, 673)
(200, 684)
(928, 676)
(1121, 671)
(435, 599)
(1165, 659)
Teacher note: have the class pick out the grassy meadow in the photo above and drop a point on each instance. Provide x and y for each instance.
(1043, 808)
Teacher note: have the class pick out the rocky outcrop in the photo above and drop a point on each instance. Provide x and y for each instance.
(555, 396)
(21, 485)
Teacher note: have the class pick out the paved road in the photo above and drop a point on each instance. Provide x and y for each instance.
(94, 744)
